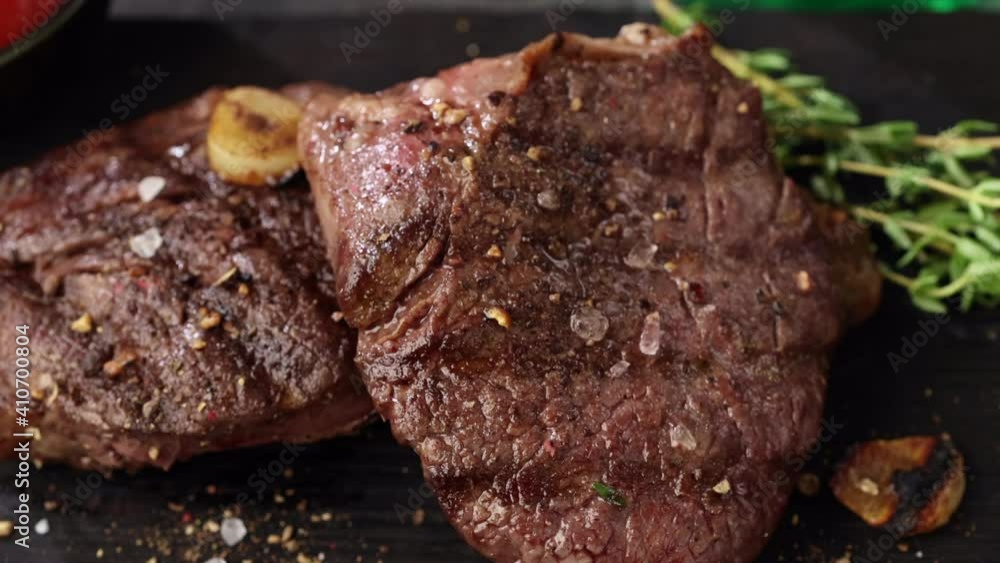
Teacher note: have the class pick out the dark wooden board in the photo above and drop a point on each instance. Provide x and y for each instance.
(935, 68)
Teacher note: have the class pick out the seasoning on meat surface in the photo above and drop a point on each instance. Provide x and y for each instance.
(148, 352)
(662, 342)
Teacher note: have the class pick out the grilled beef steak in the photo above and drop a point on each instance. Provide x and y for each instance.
(196, 321)
(586, 295)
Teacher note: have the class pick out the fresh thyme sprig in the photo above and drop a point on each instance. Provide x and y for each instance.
(940, 208)
(609, 495)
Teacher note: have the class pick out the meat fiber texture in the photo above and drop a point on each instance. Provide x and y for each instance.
(578, 265)
(216, 333)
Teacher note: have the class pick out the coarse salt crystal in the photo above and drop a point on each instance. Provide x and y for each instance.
(150, 187)
(589, 324)
(233, 530)
(649, 340)
(681, 437)
(432, 90)
(147, 243)
(619, 369)
(548, 199)
(641, 256)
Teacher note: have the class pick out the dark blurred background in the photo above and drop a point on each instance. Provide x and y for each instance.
(201, 8)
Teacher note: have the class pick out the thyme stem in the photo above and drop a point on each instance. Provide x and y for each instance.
(677, 18)
(894, 277)
(910, 225)
(944, 214)
(888, 172)
(944, 142)
(765, 83)
(939, 142)
(673, 15)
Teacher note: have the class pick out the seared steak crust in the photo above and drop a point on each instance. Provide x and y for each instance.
(224, 337)
(578, 264)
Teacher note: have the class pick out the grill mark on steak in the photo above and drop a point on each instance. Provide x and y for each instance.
(771, 292)
(515, 414)
(64, 251)
(711, 106)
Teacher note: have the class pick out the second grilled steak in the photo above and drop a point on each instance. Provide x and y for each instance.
(197, 321)
(586, 295)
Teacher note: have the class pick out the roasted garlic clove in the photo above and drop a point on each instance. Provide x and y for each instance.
(251, 137)
(911, 485)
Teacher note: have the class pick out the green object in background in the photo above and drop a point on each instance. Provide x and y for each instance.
(940, 206)
(908, 6)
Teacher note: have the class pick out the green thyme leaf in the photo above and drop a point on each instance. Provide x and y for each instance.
(939, 204)
(609, 495)
(801, 81)
(972, 126)
(888, 133)
(988, 237)
(768, 60)
(929, 304)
